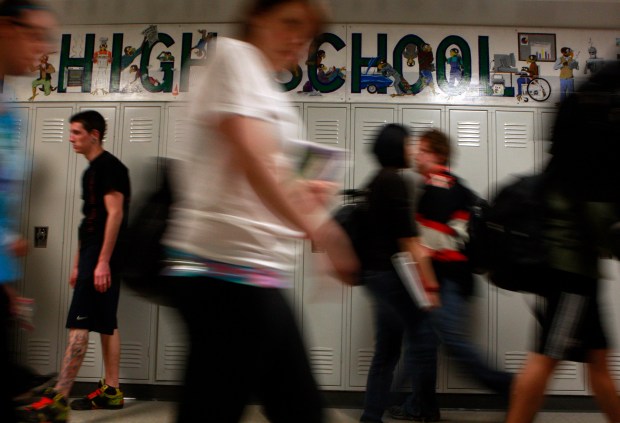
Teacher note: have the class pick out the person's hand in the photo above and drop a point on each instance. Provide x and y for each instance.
(331, 238)
(103, 276)
(19, 247)
(433, 297)
(73, 277)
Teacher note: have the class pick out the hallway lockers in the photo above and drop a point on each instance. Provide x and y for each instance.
(491, 143)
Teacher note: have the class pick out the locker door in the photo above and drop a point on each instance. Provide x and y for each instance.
(139, 150)
(323, 295)
(46, 272)
(172, 346)
(470, 159)
(367, 122)
(21, 115)
(468, 130)
(515, 323)
(92, 366)
(420, 120)
(610, 312)
(547, 121)
(172, 339)
(514, 135)
(177, 130)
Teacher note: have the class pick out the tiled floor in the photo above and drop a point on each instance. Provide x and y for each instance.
(163, 412)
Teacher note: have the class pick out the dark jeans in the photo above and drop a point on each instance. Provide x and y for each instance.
(396, 315)
(451, 321)
(244, 345)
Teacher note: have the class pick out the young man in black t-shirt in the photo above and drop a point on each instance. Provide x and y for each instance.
(94, 277)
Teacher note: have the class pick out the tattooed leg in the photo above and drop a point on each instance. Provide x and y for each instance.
(72, 361)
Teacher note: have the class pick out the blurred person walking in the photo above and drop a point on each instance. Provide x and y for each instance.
(391, 229)
(582, 203)
(442, 215)
(237, 212)
(25, 28)
(94, 277)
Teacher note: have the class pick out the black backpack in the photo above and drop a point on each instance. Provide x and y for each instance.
(475, 247)
(352, 216)
(140, 272)
(511, 236)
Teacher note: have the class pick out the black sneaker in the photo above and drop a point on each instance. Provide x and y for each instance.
(399, 413)
(105, 397)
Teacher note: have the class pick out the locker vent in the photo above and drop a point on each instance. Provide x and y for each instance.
(515, 135)
(39, 352)
(364, 358)
(322, 360)
(141, 129)
(174, 356)
(53, 130)
(326, 131)
(514, 361)
(181, 128)
(417, 128)
(19, 127)
(370, 129)
(566, 370)
(89, 357)
(132, 355)
(614, 365)
(468, 133)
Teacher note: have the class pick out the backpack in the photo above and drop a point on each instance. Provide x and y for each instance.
(142, 244)
(511, 236)
(475, 247)
(352, 216)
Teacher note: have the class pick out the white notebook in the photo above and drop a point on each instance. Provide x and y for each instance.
(408, 273)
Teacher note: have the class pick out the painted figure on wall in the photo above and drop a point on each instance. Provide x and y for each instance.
(527, 74)
(323, 73)
(129, 55)
(401, 85)
(410, 53)
(44, 81)
(593, 64)
(426, 61)
(101, 60)
(566, 63)
(456, 67)
(200, 48)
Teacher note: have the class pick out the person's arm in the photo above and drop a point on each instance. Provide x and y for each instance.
(425, 268)
(113, 201)
(253, 143)
(74, 270)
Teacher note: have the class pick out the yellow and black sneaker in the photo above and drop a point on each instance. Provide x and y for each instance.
(104, 397)
(51, 407)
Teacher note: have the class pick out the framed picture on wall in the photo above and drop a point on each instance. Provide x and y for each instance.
(540, 45)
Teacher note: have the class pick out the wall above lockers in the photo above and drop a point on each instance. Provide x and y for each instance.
(348, 63)
(561, 13)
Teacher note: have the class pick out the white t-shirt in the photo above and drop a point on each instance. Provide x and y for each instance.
(217, 214)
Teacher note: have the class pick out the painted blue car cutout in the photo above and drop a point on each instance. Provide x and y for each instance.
(374, 81)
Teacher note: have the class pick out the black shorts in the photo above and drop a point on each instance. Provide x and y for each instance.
(571, 319)
(90, 309)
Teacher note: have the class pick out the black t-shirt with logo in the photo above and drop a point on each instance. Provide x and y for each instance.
(105, 174)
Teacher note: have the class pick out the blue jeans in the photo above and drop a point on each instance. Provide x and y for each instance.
(396, 315)
(450, 321)
(567, 86)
